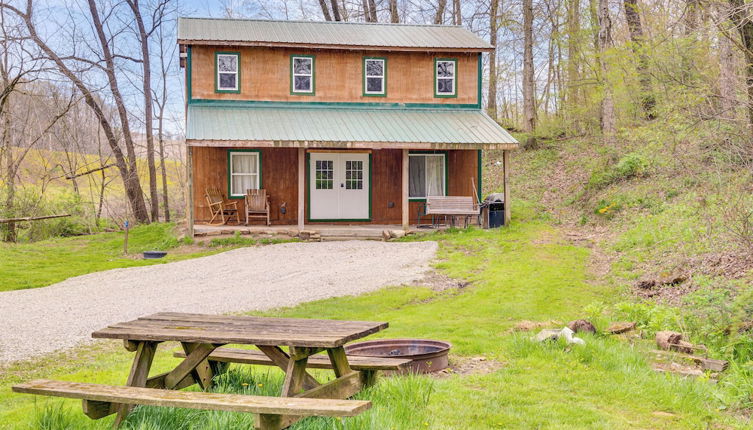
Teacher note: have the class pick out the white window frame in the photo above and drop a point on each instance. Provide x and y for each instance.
(444, 174)
(232, 174)
(236, 73)
(437, 78)
(366, 76)
(294, 74)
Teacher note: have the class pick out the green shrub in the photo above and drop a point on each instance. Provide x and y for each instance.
(630, 166)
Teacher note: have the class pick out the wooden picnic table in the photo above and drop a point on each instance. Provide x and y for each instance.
(200, 335)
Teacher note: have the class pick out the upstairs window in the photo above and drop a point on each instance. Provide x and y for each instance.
(302, 74)
(374, 76)
(227, 67)
(426, 175)
(445, 73)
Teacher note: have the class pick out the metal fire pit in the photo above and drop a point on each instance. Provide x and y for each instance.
(427, 355)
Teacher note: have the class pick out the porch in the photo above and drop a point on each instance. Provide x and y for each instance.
(316, 232)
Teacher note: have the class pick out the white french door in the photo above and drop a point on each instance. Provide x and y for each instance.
(339, 185)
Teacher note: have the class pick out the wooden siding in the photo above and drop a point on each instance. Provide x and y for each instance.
(265, 76)
(280, 173)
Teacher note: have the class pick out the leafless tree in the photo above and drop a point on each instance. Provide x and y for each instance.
(607, 114)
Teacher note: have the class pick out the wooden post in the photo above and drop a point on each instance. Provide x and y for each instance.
(506, 183)
(301, 187)
(125, 239)
(189, 200)
(404, 198)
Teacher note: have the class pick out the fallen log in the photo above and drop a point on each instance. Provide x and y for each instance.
(32, 218)
(666, 339)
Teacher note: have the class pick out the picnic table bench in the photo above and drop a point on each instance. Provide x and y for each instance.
(452, 206)
(202, 336)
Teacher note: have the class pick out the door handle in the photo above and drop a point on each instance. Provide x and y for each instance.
(342, 185)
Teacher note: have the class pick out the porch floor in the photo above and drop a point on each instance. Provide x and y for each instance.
(323, 231)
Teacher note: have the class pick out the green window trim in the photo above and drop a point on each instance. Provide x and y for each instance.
(455, 79)
(217, 88)
(384, 77)
(313, 76)
(446, 172)
(229, 170)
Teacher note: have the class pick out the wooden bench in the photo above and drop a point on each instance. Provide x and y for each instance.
(99, 400)
(252, 356)
(451, 206)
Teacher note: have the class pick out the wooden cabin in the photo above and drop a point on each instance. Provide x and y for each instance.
(343, 123)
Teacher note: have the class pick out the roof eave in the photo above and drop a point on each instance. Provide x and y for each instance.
(348, 145)
(333, 46)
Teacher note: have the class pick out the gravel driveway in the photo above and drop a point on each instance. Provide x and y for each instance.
(42, 320)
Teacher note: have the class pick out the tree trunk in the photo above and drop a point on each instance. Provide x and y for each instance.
(529, 97)
(325, 10)
(573, 55)
(457, 12)
(9, 229)
(373, 11)
(366, 11)
(394, 15)
(439, 17)
(742, 20)
(492, 95)
(633, 18)
(607, 115)
(727, 77)
(148, 112)
(335, 10)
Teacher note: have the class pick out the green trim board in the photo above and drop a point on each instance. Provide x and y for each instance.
(480, 177)
(217, 88)
(446, 172)
(230, 151)
(479, 85)
(344, 105)
(313, 76)
(364, 77)
(189, 78)
(455, 79)
(307, 184)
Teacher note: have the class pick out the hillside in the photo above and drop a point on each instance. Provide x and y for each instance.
(669, 226)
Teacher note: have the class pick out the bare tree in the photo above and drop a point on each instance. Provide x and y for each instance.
(573, 53)
(492, 94)
(741, 18)
(529, 92)
(457, 12)
(394, 15)
(336, 10)
(126, 162)
(633, 18)
(607, 115)
(373, 11)
(325, 10)
(439, 16)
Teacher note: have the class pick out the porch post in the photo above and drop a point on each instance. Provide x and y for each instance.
(301, 186)
(190, 198)
(405, 205)
(506, 182)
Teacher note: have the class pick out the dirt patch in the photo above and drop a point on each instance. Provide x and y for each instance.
(479, 365)
(526, 325)
(438, 281)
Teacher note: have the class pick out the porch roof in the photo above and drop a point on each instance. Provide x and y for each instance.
(344, 127)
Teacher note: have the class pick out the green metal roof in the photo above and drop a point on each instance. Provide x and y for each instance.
(324, 33)
(343, 126)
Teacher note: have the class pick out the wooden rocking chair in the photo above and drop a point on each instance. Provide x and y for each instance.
(219, 207)
(257, 205)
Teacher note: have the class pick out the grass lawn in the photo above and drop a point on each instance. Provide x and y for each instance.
(38, 264)
(527, 272)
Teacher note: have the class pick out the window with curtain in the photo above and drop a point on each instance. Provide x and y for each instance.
(244, 172)
(426, 175)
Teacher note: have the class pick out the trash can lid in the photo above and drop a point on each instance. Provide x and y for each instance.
(495, 198)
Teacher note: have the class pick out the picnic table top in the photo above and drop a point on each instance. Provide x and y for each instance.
(221, 329)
